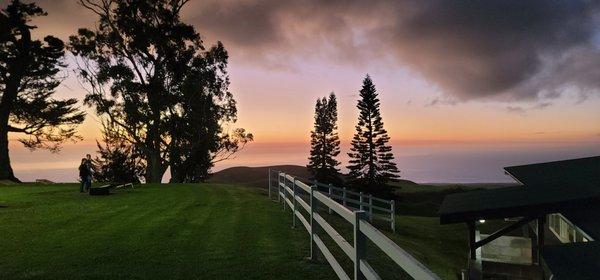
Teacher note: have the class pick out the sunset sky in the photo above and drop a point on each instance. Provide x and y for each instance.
(493, 75)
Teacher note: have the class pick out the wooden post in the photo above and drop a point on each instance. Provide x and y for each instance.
(475, 268)
(370, 208)
(472, 254)
(540, 238)
(359, 245)
(344, 196)
(269, 183)
(279, 187)
(330, 192)
(393, 215)
(284, 191)
(294, 202)
(313, 230)
(360, 200)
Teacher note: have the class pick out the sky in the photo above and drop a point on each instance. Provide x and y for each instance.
(499, 82)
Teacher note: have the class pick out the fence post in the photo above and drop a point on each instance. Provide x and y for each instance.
(269, 183)
(359, 245)
(330, 193)
(284, 191)
(360, 200)
(313, 230)
(370, 208)
(294, 203)
(393, 215)
(344, 196)
(279, 187)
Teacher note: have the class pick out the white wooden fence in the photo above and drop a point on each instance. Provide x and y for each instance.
(290, 190)
(375, 208)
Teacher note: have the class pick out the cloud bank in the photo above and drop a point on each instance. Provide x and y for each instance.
(507, 50)
(471, 50)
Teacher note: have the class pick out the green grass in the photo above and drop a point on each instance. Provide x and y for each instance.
(443, 249)
(206, 231)
(154, 232)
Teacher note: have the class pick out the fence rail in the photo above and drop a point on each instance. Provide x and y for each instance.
(375, 208)
(290, 191)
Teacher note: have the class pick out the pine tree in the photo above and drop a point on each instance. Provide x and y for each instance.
(29, 76)
(371, 159)
(325, 142)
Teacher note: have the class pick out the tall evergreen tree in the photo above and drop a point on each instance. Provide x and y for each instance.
(325, 143)
(371, 159)
(29, 75)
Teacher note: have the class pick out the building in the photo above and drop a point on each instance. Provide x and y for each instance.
(553, 222)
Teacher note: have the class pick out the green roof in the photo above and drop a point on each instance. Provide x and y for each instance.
(574, 261)
(581, 171)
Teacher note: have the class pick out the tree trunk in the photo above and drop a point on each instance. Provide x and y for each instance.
(16, 69)
(176, 174)
(154, 168)
(6, 172)
(6, 105)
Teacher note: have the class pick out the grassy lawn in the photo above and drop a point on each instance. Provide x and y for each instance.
(206, 231)
(154, 232)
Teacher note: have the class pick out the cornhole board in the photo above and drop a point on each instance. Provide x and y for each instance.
(105, 189)
(101, 190)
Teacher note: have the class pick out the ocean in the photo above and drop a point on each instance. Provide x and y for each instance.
(424, 163)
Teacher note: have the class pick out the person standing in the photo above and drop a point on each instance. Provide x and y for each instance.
(83, 174)
(90, 172)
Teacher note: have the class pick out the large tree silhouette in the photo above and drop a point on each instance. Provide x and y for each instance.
(149, 74)
(325, 142)
(29, 75)
(371, 159)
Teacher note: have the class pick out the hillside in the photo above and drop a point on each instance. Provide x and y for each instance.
(254, 176)
(257, 176)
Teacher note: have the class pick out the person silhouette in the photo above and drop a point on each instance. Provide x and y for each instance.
(84, 173)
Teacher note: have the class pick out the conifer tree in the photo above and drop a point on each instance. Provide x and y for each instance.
(325, 142)
(29, 76)
(371, 160)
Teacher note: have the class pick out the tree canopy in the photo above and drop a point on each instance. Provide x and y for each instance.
(149, 74)
(29, 75)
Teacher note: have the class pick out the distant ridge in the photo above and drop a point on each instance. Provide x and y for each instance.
(255, 176)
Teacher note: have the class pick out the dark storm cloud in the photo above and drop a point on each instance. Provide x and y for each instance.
(502, 50)
(471, 49)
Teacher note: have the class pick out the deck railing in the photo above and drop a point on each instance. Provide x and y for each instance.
(375, 208)
(290, 191)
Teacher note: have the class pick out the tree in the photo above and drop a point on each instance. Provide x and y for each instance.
(150, 74)
(371, 159)
(324, 142)
(197, 131)
(29, 75)
(118, 160)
